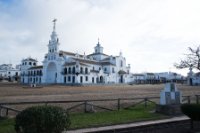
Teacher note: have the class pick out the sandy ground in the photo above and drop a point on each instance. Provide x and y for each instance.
(12, 92)
(15, 92)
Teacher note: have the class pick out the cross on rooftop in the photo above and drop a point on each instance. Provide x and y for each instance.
(54, 24)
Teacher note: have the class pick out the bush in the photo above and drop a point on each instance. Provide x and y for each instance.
(42, 119)
(192, 111)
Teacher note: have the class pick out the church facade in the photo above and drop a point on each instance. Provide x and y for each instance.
(72, 68)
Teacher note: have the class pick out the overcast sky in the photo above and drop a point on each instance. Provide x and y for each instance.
(152, 34)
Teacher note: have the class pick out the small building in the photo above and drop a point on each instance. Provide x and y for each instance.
(155, 78)
(193, 78)
(9, 73)
(164, 77)
(139, 78)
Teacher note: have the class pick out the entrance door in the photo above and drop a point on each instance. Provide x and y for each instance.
(191, 81)
(51, 73)
(101, 79)
(121, 79)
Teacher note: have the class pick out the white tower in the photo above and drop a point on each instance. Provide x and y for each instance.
(54, 42)
(98, 49)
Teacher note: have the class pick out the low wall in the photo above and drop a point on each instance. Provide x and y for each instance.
(172, 125)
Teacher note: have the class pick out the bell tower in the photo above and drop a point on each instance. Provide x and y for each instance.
(98, 49)
(53, 46)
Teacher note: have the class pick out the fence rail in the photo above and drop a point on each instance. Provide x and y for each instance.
(90, 103)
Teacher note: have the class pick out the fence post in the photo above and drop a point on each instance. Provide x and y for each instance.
(118, 104)
(188, 99)
(0, 111)
(145, 102)
(85, 106)
(6, 112)
(197, 99)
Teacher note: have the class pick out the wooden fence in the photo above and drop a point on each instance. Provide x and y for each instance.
(6, 108)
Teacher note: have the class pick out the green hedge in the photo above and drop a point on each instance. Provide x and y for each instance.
(42, 119)
(192, 111)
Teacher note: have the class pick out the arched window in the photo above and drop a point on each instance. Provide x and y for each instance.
(73, 70)
(34, 73)
(92, 79)
(69, 78)
(81, 71)
(81, 79)
(40, 72)
(86, 70)
(69, 70)
(65, 70)
(86, 78)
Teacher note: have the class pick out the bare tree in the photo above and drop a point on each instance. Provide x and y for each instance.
(192, 60)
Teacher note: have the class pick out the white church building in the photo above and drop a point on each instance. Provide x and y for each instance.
(73, 68)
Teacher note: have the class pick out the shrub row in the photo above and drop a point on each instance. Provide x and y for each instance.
(192, 111)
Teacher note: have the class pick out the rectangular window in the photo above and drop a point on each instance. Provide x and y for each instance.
(86, 78)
